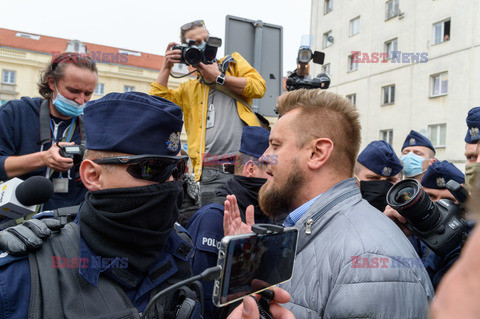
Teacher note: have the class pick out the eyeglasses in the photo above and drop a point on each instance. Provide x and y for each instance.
(190, 25)
(156, 168)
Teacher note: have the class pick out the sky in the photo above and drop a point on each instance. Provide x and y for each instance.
(148, 25)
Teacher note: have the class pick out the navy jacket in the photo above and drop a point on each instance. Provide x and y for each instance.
(20, 134)
(15, 282)
(206, 229)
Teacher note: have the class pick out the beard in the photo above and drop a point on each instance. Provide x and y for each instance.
(278, 200)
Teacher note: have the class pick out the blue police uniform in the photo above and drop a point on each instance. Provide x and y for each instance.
(416, 139)
(15, 282)
(206, 228)
(20, 135)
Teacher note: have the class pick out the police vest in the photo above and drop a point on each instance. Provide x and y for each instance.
(64, 293)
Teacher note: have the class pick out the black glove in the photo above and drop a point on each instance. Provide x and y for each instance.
(29, 235)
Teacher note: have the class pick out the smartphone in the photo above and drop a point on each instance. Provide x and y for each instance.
(251, 263)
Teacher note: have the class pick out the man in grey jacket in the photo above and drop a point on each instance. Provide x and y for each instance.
(352, 262)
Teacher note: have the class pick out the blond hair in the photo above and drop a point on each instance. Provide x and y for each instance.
(324, 114)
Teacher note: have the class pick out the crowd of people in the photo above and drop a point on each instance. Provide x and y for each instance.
(360, 254)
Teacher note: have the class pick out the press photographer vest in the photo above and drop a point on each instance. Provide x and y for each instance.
(64, 293)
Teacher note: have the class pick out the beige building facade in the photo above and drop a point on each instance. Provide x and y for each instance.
(406, 65)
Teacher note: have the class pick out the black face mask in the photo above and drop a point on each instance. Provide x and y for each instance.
(375, 192)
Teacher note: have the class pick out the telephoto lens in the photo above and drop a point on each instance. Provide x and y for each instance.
(410, 200)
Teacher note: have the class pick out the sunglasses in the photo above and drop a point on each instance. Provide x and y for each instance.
(188, 26)
(155, 168)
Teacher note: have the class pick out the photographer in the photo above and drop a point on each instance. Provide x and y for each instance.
(213, 119)
(31, 127)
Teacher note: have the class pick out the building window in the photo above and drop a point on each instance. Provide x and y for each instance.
(352, 63)
(391, 48)
(388, 94)
(128, 88)
(438, 134)
(439, 84)
(441, 31)
(8, 77)
(328, 6)
(352, 98)
(391, 9)
(327, 39)
(354, 26)
(326, 69)
(99, 89)
(387, 136)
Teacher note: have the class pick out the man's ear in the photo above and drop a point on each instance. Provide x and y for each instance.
(249, 169)
(90, 175)
(320, 152)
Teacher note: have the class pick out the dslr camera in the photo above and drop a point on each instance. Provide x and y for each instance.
(195, 54)
(299, 79)
(439, 225)
(74, 152)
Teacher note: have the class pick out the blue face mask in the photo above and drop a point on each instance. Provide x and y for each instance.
(67, 107)
(412, 164)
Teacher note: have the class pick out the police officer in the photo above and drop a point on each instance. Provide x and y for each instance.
(472, 138)
(417, 153)
(377, 169)
(206, 225)
(124, 245)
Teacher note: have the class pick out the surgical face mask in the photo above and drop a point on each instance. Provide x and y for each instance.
(375, 192)
(472, 172)
(412, 164)
(67, 107)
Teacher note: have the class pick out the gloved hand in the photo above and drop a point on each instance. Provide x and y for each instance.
(29, 235)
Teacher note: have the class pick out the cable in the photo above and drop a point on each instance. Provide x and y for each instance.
(206, 275)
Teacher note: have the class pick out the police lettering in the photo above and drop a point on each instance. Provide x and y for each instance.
(211, 242)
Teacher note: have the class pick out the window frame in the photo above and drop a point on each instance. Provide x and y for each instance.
(438, 133)
(395, 8)
(385, 47)
(432, 84)
(9, 77)
(128, 86)
(352, 98)
(351, 34)
(442, 37)
(389, 135)
(351, 65)
(391, 96)
(325, 39)
(327, 6)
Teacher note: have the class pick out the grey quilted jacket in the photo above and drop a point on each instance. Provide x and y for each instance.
(354, 262)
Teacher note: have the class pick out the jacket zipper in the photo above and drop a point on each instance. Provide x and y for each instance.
(309, 223)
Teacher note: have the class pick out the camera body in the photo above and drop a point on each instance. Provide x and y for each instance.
(299, 78)
(195, 54)
(74, 152)
(438, 224)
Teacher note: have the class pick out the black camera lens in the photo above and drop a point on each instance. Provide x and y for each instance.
(408, 198)
(193, 56)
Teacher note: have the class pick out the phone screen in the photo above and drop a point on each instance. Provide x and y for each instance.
(251, 263)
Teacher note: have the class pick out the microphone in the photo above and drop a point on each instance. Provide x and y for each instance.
(19, 198)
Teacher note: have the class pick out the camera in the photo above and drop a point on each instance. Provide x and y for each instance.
(299, 79)
(74, 152)
(195, 54)
(438, 224)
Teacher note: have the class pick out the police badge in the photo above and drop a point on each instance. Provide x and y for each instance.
(441, 182)
(386, 171)
(412, 141)
(474, 133)
(173, 142)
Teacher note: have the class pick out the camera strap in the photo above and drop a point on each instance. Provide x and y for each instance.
(45, 131)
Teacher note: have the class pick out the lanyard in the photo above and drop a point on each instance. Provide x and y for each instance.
(69, 135)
